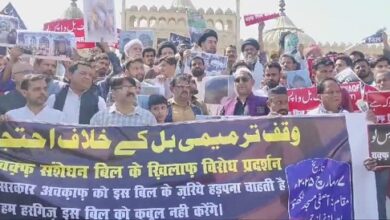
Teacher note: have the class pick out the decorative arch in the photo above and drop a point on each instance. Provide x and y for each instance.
(152, 21)
(219, 25)
(229, 25)
(162, 21)
(171, 22)
(181, 22)
(143, 22)
(210, 23)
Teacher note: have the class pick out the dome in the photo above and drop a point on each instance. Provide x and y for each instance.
(201, 11)
(73, 11)
(210, 11)
(183, 4)
(228, 11)
(284, 24)
(218, 11)
(143, 8)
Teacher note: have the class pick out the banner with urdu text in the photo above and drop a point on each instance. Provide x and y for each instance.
(259, 168)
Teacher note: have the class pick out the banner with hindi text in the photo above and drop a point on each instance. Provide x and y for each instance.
(182, 171)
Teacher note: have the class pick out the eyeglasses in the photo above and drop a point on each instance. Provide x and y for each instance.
(242, 79)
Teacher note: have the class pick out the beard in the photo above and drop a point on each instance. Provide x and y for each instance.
(272, 84)
(197, 72)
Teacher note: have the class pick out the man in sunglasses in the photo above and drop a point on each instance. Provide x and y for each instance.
(245, 103)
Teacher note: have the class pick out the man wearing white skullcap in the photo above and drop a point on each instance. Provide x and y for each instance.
(133, 49)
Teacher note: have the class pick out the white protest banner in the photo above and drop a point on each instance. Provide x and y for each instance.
(145, 36)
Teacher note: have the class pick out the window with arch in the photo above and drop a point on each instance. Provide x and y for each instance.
(143, 22)
(219, 25)
(152, 22)
(162, 22)
(171, 22)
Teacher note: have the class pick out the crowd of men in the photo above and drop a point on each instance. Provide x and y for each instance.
(103, 89)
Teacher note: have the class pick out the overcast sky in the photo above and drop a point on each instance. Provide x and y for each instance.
(324, 20)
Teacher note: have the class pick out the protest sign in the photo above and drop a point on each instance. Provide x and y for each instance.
(196, 25)
(355, 92)
(290, 43)
(99, 21)
(300, 101)
(11, 11)
(379, 103)
(47, 45)
(8, 27)
(145, 36)
(347, 76)
(214, 63)
(375, 38)
(143, 101)
(217, 87)
(298, 79)
(177, 39)
(186, 171)
(379, 143)
(258, 18)
(70, 25)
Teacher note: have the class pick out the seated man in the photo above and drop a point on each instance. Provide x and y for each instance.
(245, 103)
(180, 107)
(278, 101)
(329, 93)
(158, 105)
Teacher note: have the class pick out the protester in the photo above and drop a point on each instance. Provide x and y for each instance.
(135, 68)
(194, 98)
(166, 49)
(79, 100)
(245, 102)
(342, 62)
(356, 55)
(149, 55)
(15, 99)
(167, 69)
(289, 63)
(198, 72)
(329, 93)
(133, 49)
(324, 68)
(362, 69)
(231, 53)
(124, 111)
(278, 101)
(250, 49)
(208, 41)
(158, 106)
(34, 89)
(272, 76)
(380, 64)
(180, 107)
(101, 66)
(382, 81)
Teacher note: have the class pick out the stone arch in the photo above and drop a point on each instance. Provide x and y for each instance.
(152, 21)
(219, 25)
(162, 21)
(133, 21)
(171, 22)
(210, 23)
(143, 22)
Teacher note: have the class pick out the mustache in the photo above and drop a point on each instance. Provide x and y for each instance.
(130, 94)
(283, 111)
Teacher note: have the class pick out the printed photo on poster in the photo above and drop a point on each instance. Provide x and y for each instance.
(347, 76)
(196, 25)
(145, 36)
(177, 39)
(298, 79)
(47, 45)
(99, 21)
(214, 64)
(8, 27)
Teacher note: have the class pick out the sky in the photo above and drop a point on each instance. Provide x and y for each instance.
(324, 20)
